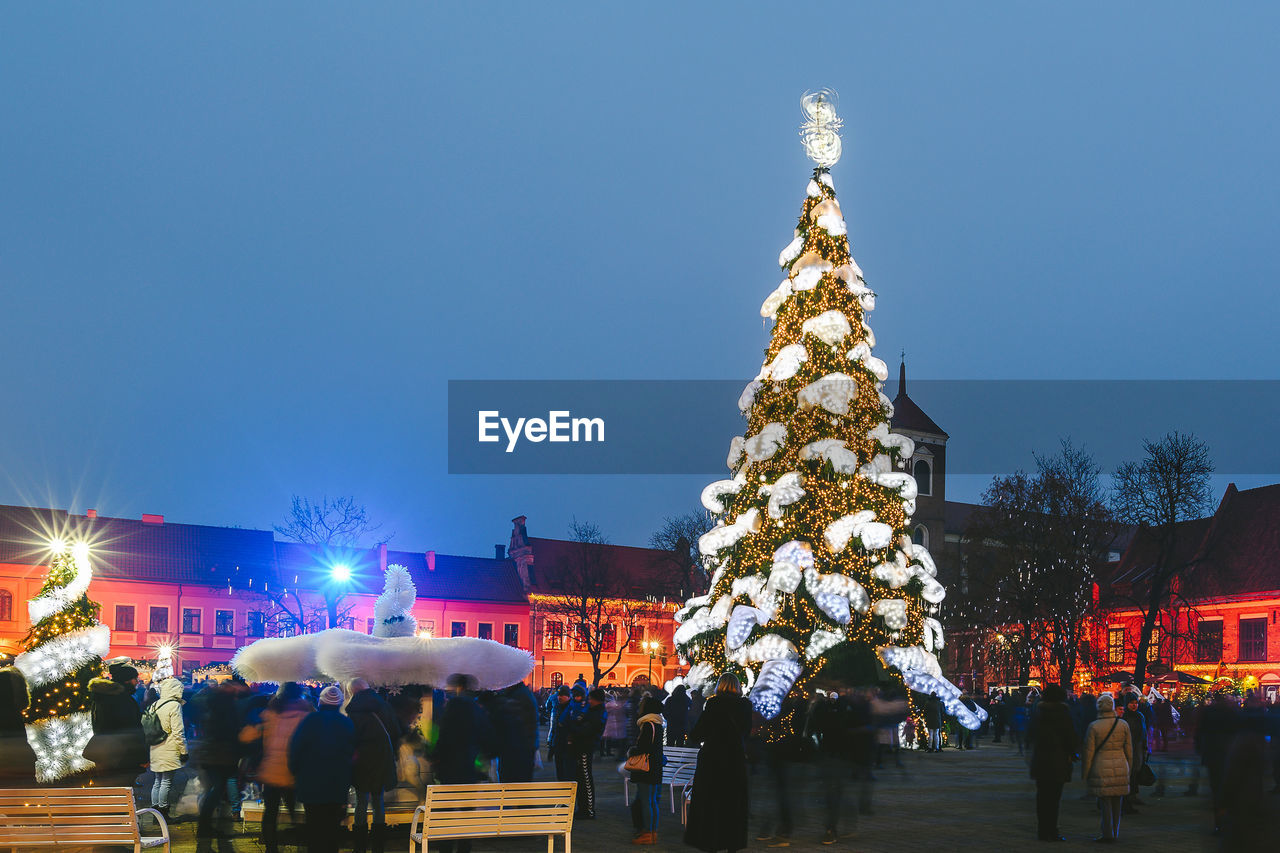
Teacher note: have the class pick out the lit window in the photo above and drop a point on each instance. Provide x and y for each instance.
(556, 680)
(484, 630)
(190, 620)
(1115, 645)
(457, 629)
(511, 634)
(1209, 641)
(159, 620)
(124, 617)
(553, 637)
(224, 623)
(257, 625)
(6, 606)
(1253, 639)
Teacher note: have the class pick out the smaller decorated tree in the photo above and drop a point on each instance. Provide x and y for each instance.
(64, 651)
(393, 610)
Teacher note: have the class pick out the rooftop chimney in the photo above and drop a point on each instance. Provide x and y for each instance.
(499, 552)
(431, 561)
(93, 513)
(148, 518)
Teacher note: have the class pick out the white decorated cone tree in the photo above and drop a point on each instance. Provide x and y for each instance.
(812, 549)
(393, 609)
(64, 651)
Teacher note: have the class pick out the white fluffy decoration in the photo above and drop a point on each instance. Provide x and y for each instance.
(833, 224)
(338, 654)
(772, 686)
(932, 634)
(59, 743)
(795, 553)
(783, 493)
(892, 441)
(921, 672)
(869, 335)
(765, 443)
(791, 252)
(808, 271)
(825, 177)
(749, 586)
(720, 611)
(842, 529)
(836, 607)
(700, 675)
(931, 591)
(861, 353)
(62, 597)
(894, 572)
(694, 624)
(886, 405)
(786, 363)
(734, 458)
(813, 190)
(723, 535)
(61, 656)
(875, 535)
(893, 611)
(820, 641)
(691, 606)
(741, 621)
(920, 554)
(904, 484)
(712, 494)
(393, 609)
(833, 450)
(830, 327)
(833, 392)
(774, 301)
(747, 398)
(771, 647)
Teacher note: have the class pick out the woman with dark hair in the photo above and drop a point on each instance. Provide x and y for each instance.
(17, 759)
(718, 804)
(1053, 742)
(279, 721)
(644, 808)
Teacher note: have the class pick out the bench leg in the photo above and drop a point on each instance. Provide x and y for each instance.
(566, 842)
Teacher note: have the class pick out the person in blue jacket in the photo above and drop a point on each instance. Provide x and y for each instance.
(321, 753)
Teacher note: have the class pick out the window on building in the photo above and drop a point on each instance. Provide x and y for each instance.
(582, 637)
(557, 679)
(553, 636)
(484, 630)
(224, 623)
(190, 620)
(457, 629)
(921, 535)
(1253, 639)
(124, 617)
(1209, 641)
(1153, 648)
(368, 627)
(924, 478)
(6, 606)
(348, 622)
(609, 638)
(1115, 645)
(159, 620)
(429, 626)
(257, 624)
(637, 635)
(511, 633)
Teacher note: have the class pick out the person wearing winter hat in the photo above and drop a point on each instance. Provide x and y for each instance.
(118, 748)
(169, 754)
(321, 753)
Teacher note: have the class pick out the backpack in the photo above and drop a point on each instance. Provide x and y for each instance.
(152, 727)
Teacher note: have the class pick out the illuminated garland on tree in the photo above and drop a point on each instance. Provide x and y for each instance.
(64, 652)
(813, 549)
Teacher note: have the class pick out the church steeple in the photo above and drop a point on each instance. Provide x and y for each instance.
(902, 375)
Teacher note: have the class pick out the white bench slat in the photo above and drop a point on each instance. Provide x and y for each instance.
(58, 818)
(495, 810)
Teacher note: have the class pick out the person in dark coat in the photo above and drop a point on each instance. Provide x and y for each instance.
(465, 734)
(217, 752)
(828, 723)
(568, 708)
(644, 808)
(718, 806)
(1054, 745)
(118, 748)
(517, 729)
(1138, 731)
(676, 710)
(583, 739)
(321, 753)
(17, 758)
(933, 721)
(378, 733)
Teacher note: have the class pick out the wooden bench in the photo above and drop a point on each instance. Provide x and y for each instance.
(682, 761)
(495, 811)
(66, 819)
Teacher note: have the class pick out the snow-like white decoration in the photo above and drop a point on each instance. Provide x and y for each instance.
(868, 301)
(930, 590)
(774, 301)
(749, 586)
(57, 658)
(393, 609)
(830, 327)
(59, 743)
(833, 450)
(339, 654)
(893, 611)
(833, 224)
(921, 672)
(850, 274)
(842, 529)
(904, 484)
(820, 641)
(735, 452)
(875, 535)
(894, 572)
(723, 535)
(784, 577)
(825, 177)
(741, 621)
(771, 647)
(861, 353)
(772, 686)
(886, 405)
(765, 443)
(909, 508)
(809, 270)
(748, 397)
(892, 440)
(786, 363)
(783, 493)
(791, 252)
(62, 597)
(833, 392)
(696, 623)
(701, 675)
(869, 335)
(920, 554)
(879, 464)
(796, 553)
(690, 606)
(932, 634)
(813, 190)
(712, 494)
(836, 607)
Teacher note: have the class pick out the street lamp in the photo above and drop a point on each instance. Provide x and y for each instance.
(653, 648)
(341, 573)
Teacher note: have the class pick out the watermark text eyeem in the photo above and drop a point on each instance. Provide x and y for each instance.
(558, 426)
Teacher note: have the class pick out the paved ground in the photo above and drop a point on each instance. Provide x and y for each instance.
(954, 801)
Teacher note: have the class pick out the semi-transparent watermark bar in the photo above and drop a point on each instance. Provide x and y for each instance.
(994, 426)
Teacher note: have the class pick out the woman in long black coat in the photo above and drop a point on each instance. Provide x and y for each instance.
(1052, 736)
(718, 806)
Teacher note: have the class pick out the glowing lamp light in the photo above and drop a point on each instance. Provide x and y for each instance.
(341, 573)
(80, 551)
(57, 546)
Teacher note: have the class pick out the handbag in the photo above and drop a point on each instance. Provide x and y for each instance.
(637, 763)
(1146, 776)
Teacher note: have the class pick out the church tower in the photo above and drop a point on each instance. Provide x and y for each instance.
(929, 465)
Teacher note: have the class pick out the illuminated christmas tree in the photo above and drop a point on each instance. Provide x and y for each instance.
(64, 651)
(812, 548)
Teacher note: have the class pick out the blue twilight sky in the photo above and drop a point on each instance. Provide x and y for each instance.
(243, 246)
